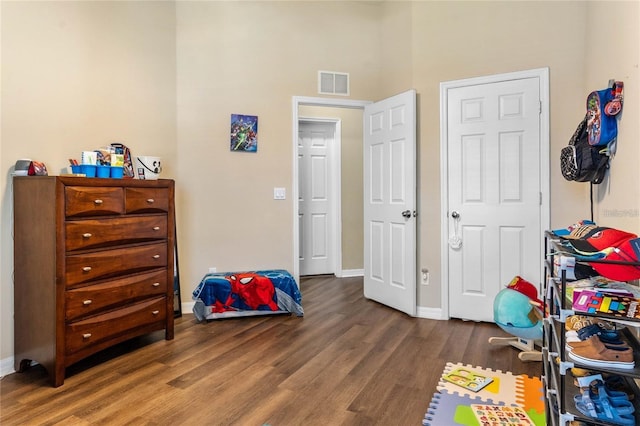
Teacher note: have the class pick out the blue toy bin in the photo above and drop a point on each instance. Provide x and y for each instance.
(88, 169)
(103, 171)
(117, 172)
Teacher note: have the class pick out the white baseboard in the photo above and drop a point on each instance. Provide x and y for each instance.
(6, 366)
(430, 313)
(347, 273)
(187, 307)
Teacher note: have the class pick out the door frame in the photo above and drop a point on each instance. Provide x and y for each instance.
(543, 78)
(335, 164)
(298, 101)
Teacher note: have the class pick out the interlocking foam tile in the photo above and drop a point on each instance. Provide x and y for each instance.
(503, 388)
(506, 389)
(530, 394)
(452, 409)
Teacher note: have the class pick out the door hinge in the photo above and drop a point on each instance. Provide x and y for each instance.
(540, 198)
(539, 107)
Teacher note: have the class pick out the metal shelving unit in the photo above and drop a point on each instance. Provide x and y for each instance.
(557, 378)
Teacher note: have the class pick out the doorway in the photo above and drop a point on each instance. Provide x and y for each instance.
(387, 183)
(347, 232)
(319, 195)
(495, 187)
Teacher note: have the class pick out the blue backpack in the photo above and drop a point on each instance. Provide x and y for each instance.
(602, 108)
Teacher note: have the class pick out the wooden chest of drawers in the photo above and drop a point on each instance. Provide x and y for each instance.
(93, 266)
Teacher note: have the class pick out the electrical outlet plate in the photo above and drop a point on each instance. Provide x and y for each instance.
(425, 276)
(279, 193)
(213, 270)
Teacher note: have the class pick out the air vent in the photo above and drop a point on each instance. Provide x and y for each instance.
(333, 83)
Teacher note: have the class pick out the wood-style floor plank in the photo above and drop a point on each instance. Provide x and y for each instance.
(348, 361)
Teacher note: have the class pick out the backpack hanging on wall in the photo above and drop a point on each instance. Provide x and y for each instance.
(602, 108)
(580, 161)
(586, 158)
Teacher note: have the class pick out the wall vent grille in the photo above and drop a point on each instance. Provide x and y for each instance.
(333, 83)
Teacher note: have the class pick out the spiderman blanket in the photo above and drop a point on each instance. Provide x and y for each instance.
(236, 294)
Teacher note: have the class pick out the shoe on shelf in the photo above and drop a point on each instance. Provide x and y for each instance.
(582, 372)
(610, 406)
(576, 322)
(595, 329)
(572, 336)
(575, 345)
(594, 353)
(575, 342)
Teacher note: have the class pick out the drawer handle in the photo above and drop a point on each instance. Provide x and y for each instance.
(156, 228)
(86, 235)
(87, 302)
(156, 256)
(86, 268)
(86, 335)
(155, 312)
(150, 200)
(98, 201)
(156, 284)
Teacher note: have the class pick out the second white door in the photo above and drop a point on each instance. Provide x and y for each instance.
(390, 202)
(494, 191)
(316, 201)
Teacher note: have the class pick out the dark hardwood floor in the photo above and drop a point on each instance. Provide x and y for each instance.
(349, 361)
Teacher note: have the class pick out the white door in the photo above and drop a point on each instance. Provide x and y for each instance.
(390, 202)
(315, 198)
(494, 192)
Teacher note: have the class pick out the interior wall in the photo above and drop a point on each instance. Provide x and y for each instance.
(352, 184)
(618, 197)
(457, 40)
(164, 78)
(77, 76)
(228, 218)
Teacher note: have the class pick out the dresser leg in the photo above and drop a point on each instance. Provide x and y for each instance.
(24, 364)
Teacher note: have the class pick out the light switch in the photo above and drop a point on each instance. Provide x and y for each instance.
(279, 193)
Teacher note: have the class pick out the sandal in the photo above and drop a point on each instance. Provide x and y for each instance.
(610, 406)
(618, 383)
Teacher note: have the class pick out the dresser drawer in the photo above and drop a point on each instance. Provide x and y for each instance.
(95, 233)
(93, 201)
(86, 267)
(87, 300)
(146, 200)
(90, 331)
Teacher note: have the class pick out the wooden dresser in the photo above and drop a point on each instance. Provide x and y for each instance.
(93, 266)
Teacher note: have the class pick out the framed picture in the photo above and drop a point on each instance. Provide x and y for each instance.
(244, 133)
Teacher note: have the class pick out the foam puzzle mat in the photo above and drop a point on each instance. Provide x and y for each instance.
(452, 404)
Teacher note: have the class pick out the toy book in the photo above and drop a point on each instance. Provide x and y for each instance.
(598, 302)
(467, 379)
(501, 415)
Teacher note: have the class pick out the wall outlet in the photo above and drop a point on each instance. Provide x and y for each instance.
(213, 270)
(279, 193)
(425, 276)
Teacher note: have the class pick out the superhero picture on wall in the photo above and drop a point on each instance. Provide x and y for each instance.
(244, 133)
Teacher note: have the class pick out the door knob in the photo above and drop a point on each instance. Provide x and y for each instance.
(455, 214)
(406, 213)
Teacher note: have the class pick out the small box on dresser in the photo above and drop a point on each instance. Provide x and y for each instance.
(93, 266)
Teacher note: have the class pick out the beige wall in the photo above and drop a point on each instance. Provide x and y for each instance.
(456, 40)
(618, 197)
(164, 78)
(78, 76)
(227, 217)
